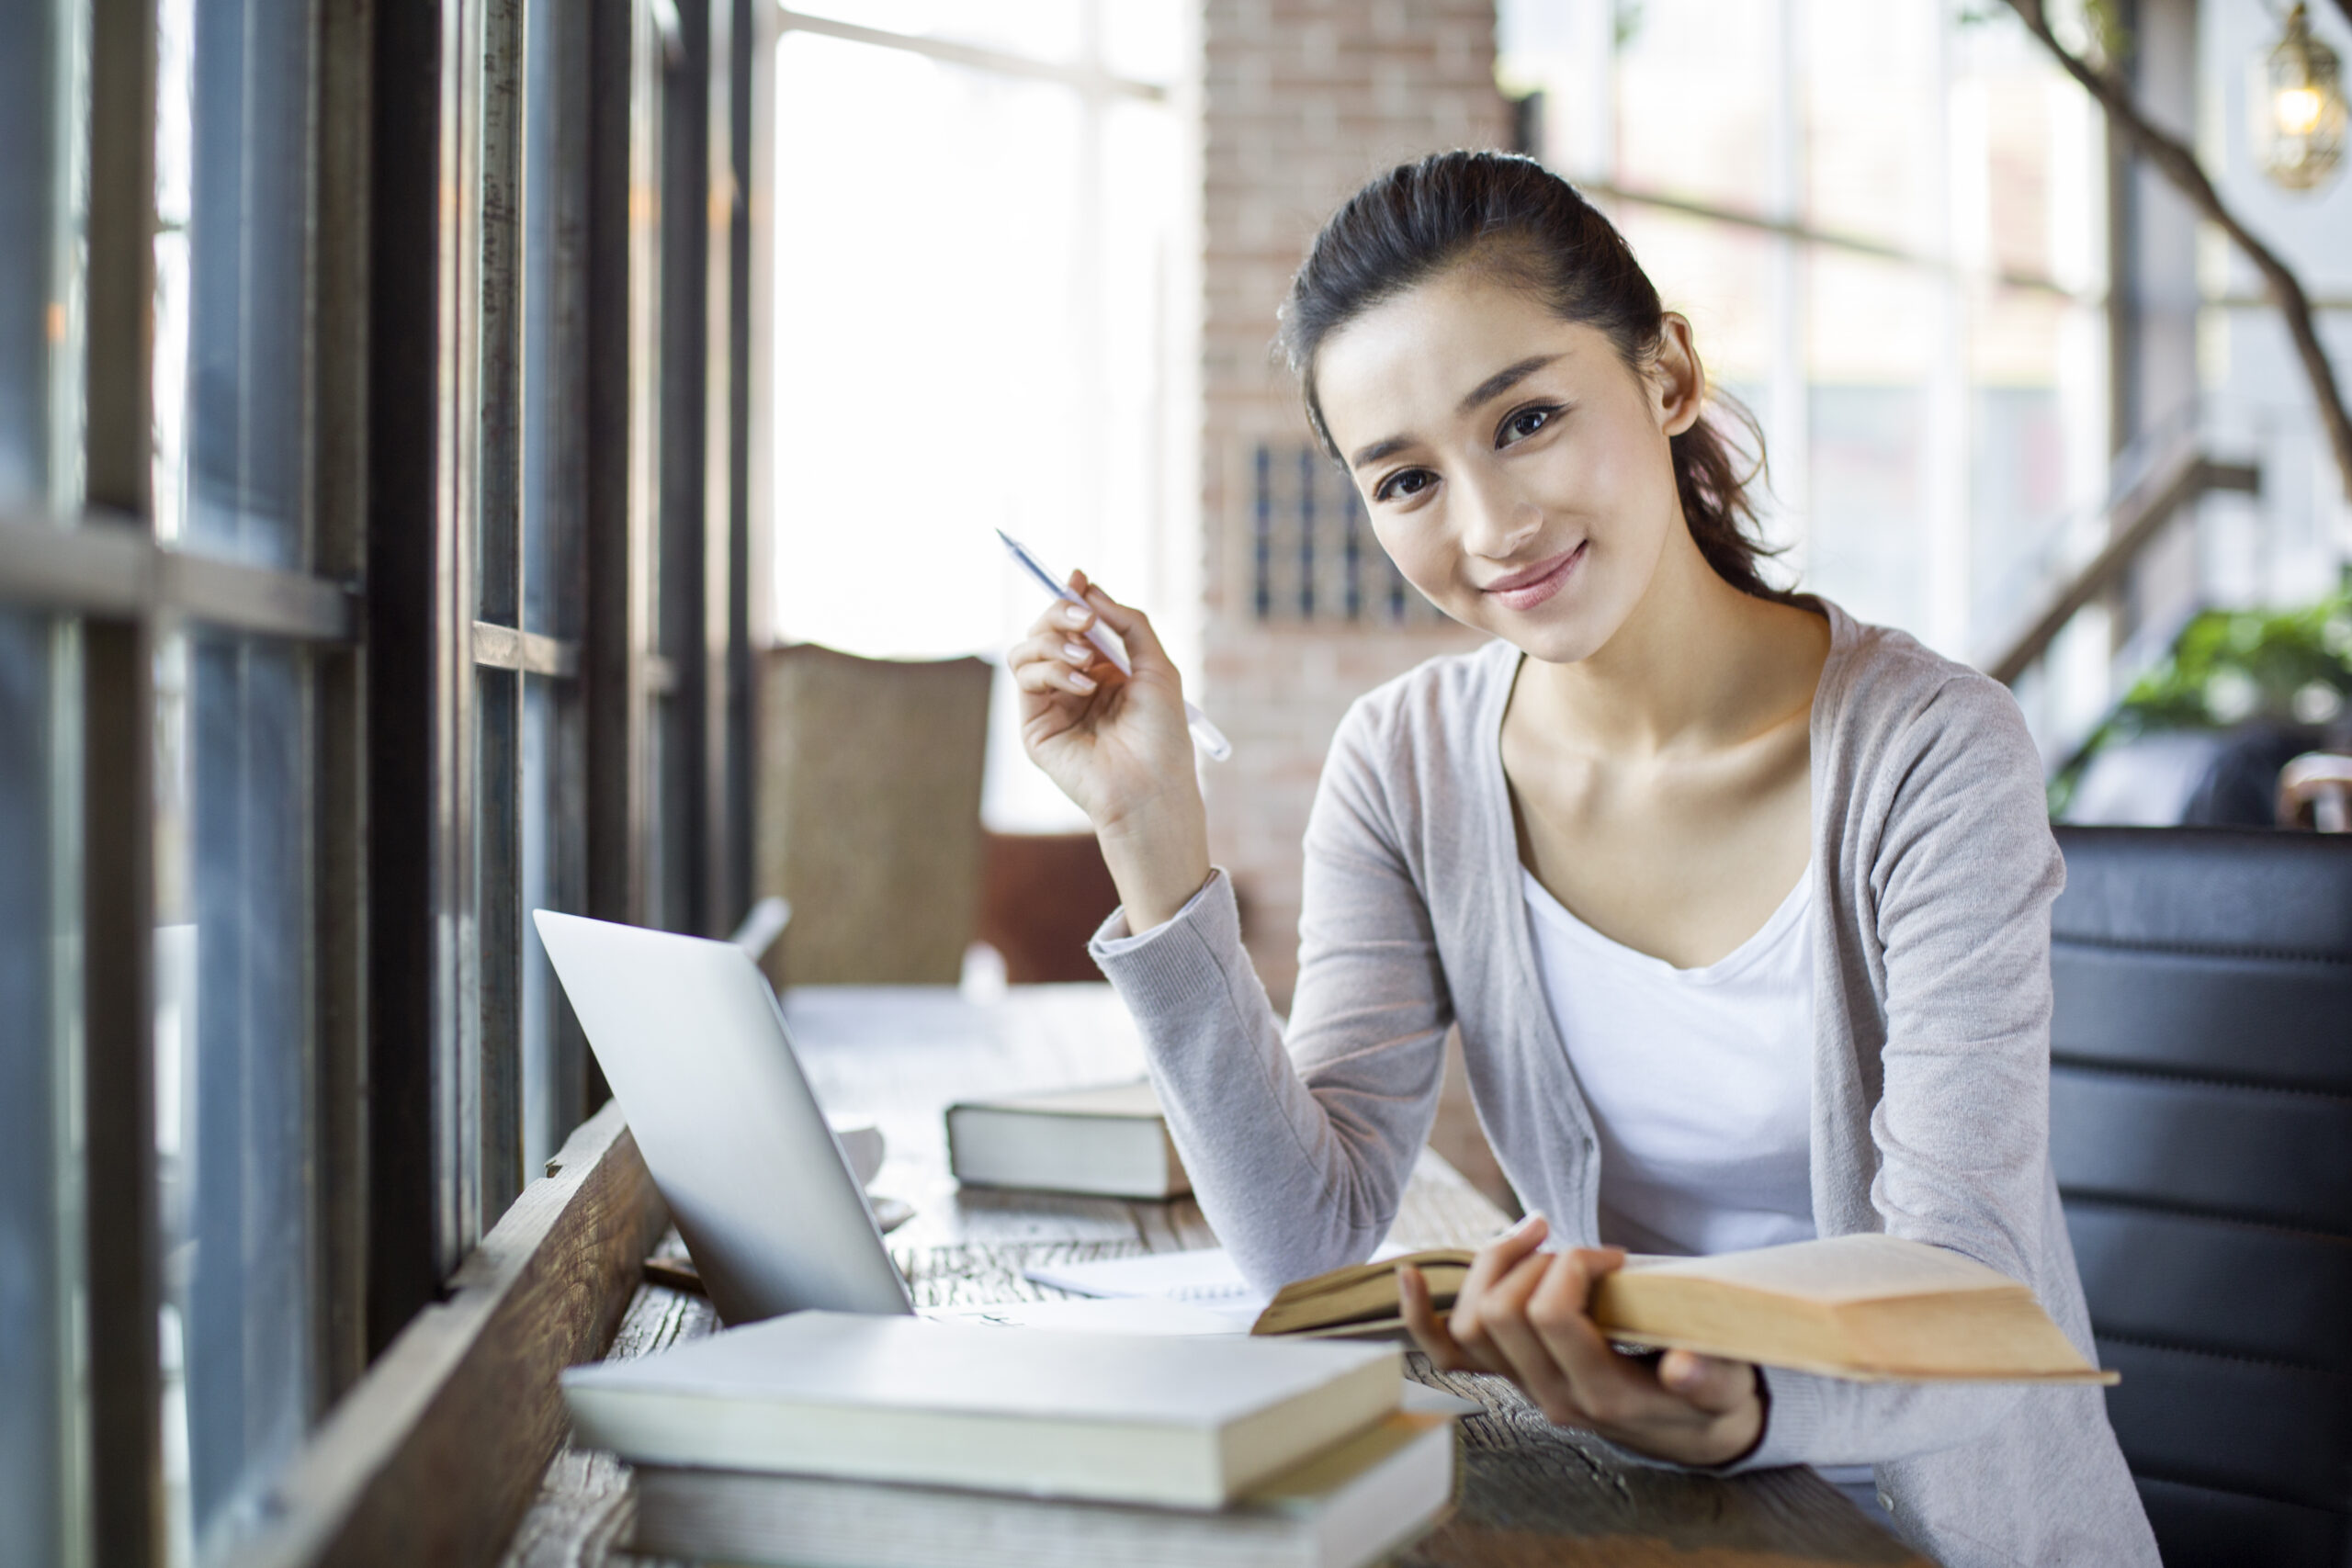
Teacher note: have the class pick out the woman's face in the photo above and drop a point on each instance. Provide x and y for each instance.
(1515, 469)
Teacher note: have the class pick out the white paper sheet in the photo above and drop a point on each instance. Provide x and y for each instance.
(1206, 1278)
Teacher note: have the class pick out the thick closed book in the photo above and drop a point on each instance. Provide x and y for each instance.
(1866, 1308)
(1185, 1422)
(1109, 1143)
(1351, 1504)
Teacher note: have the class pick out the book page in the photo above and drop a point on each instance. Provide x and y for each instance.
(1838, 1269)
(1207, 1278)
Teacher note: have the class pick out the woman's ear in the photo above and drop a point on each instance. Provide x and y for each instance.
(1678, 381)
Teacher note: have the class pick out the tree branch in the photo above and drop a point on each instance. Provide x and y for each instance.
(2173, 159)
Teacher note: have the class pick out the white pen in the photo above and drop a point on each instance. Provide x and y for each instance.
(1206, 736)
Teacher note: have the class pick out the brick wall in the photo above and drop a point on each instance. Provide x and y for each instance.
(1302, 100)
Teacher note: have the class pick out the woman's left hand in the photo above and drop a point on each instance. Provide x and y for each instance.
(1522, 1312)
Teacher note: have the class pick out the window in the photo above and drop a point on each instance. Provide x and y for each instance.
(999, 346)
(38, 1267)
(529, 850)
(362, 608)
(545, 838)
(233, 1063)
(1885, 223)
(232, 1075)
(42, 1435)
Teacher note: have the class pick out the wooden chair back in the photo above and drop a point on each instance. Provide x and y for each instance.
(1042, 896)
(869, 814)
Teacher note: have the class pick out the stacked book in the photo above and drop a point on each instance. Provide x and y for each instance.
(1108, 1142)
(826, 1438)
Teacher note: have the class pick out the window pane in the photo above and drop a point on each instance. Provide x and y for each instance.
(32, 315)
(1875, 103)
(554, 231)
(1932, 422)
(2028, 161)
(997, 336)
(1694, 109)
(489, 1089)
(232, 1077)
(1051, 334)
(1145, 39)
(231, 128)
(669, 871)
(2038, 455)
(551, 1090)
(1045, 29)
(1719, 276)
(34, 1295)
(1866, 543)
(527, 855)
(1728, 283)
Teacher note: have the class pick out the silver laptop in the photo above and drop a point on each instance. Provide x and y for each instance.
(696, 1050)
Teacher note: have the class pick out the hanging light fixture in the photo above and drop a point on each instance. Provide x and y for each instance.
(2298, 102)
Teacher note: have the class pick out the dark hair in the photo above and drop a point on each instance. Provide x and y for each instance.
(1518, 221)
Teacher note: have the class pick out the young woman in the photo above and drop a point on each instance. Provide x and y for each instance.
(1742, 907)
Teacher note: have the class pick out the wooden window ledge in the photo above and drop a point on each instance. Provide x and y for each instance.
(435, 1455)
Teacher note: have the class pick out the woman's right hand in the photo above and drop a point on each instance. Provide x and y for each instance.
(1118, 747)
(1526, 1313)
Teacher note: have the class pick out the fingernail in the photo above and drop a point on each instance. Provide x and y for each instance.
(1078, 652)
(1527, 1223)
(1072, 616)
(1083, 682)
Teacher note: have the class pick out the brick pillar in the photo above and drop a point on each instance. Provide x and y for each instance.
(1302, 101)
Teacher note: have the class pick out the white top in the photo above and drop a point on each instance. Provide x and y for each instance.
(1699, 1081)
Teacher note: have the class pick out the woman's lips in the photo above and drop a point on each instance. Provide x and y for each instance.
(1525, 590)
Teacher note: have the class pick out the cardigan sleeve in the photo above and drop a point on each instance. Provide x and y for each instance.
(1299, 1149)
(1962, 876)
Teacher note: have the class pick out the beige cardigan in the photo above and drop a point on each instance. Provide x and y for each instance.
(1934, 870)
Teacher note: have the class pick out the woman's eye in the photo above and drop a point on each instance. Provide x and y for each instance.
(1403, 482)
(1523, 424)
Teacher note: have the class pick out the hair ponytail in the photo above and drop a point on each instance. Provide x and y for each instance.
(1512, 217)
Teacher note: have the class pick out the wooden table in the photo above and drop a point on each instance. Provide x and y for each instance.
(1532, 1494)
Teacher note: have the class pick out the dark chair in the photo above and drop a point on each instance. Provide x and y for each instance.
(2201, 1122)
(1042, 895)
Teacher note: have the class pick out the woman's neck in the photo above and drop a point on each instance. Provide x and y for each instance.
(1697, 666)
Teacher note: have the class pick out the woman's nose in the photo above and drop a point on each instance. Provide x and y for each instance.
(1496, 523)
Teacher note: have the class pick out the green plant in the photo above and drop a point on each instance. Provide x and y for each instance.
(2233, 667)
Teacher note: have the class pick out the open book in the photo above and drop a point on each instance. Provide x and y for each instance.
(1868, 1308)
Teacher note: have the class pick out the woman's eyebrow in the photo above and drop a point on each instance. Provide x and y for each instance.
(1503, 380)
(1493, 387)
